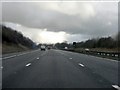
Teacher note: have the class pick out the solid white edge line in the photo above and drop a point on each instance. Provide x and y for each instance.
(81, 65)
(9, 57)
(17, 55)
(28, 64)
(116, 87)
(106, 59)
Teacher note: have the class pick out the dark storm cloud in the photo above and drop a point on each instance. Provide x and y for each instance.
(92, 19)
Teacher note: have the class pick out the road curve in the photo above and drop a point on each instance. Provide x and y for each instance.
(58, 69)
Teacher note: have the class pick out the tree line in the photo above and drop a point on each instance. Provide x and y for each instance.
(11, 36)
(103, 42)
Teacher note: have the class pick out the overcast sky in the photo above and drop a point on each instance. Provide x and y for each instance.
(52, 22)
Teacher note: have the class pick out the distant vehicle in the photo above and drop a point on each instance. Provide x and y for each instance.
(66, 48)
(49, 47)
(43, 47)
(87, 49)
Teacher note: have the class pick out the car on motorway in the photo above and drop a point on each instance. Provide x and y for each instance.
(43, 48)
(86, 49)
(48, 47)
(66, 48)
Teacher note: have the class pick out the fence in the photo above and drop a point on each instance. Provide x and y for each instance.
(112, 55)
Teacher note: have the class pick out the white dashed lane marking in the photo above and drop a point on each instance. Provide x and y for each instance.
(28, 64)
(1, 67)
(116, 87)
(37, 58)
(70, 58)
(81, 65)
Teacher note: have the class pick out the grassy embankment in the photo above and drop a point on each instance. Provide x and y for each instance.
(12, 48)
(14, 41)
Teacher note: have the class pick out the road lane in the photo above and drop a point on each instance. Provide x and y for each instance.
(102, 66)
(57, 69)
(12, 65)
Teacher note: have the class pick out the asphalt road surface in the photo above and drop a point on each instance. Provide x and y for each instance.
(58, 69)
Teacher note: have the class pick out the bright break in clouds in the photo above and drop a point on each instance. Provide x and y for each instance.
(52, 22)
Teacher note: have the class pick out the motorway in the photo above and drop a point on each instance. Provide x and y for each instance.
(58, 69)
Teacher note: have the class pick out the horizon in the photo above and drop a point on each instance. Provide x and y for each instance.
(61, 21)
